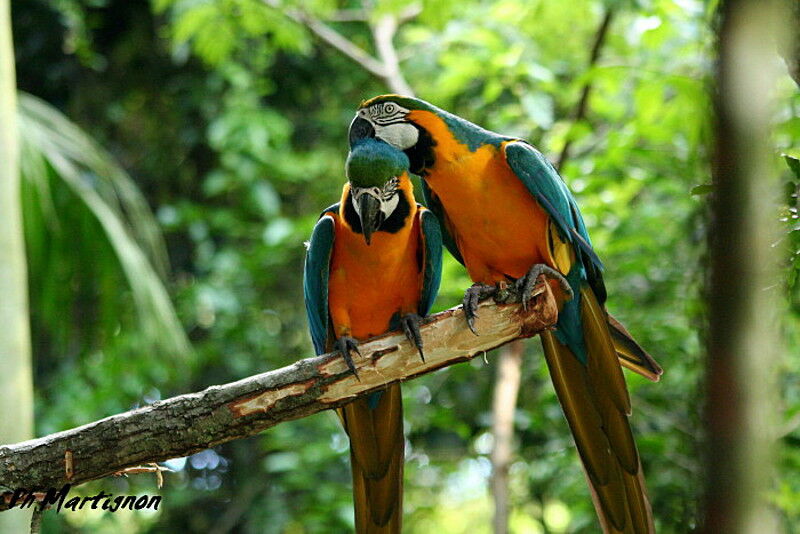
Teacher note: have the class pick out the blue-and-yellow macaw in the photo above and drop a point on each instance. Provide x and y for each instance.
(373, 264)
(507, 216)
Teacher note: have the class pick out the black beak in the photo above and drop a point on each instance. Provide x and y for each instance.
(370, 214)
(360, 129)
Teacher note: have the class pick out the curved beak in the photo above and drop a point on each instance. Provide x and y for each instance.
(370, 214)
(360, 129)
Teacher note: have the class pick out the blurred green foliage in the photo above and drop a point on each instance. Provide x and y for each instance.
(231, 118)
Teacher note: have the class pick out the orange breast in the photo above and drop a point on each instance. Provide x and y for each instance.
(370, 283)
(498, 226)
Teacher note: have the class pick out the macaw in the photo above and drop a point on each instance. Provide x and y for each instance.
(508, 216)
(374, 264)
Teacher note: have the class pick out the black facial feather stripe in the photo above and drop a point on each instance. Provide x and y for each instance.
(386, 121)
(420, 155)
(393, 224)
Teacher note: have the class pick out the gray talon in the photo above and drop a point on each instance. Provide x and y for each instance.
(472, 298)
(344, 345)
(410, 323)
(526, 284)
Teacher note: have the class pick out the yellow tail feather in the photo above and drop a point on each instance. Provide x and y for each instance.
(631, 354)
(376, 457)
(595, 401)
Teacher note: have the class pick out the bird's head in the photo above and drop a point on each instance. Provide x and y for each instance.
(393, 119)
(375, 171)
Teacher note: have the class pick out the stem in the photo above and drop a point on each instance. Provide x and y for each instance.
(583, 101)
(16, 382)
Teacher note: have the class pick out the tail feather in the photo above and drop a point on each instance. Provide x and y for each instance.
(603, 366)
(640, 518)
(641, 513)
(595, 401)
(376, 456)
(631, 354)
(620, 437)
(584, 420)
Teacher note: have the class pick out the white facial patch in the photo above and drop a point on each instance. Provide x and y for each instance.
(401, 135)
(389, 121)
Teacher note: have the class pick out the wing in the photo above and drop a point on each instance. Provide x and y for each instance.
(315, 280)
(544, 183)
(547, 187)
(433, 204)
(582, 358)
(431, 259)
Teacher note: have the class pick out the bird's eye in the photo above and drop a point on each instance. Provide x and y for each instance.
(388, 108)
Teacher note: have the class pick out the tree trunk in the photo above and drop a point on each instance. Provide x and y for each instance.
(16, 387)
(506, 388)
(743, 340)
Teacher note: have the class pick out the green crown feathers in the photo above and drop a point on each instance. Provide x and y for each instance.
(371, 163)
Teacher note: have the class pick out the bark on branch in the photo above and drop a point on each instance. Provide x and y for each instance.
(190, 423)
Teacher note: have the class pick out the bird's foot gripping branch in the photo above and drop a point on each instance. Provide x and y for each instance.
(189, 423)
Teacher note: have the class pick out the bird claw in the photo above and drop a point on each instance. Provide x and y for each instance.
(344, 345)
(502, 292)
(411, 323)
(472, 298)
(526, 284)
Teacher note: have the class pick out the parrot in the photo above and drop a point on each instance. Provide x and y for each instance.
(509, 218)
(374, 264)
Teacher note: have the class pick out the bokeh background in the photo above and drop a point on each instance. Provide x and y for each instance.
(176, 154)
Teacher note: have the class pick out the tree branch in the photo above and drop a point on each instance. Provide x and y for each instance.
(387, 66)
(349, 15)
(328, 35)
(189, 423)
(16, 382)
(383, 32)
(791, 53)
(580, 111)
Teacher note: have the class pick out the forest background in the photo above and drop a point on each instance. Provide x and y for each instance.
(171, 258)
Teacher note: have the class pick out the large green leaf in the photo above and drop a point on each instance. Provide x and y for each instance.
(51, 142)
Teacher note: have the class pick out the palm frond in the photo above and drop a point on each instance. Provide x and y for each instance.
(49, 140)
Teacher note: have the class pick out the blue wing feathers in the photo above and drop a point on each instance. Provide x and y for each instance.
(432, 261)
(315, 280)
(433, 204)
(544, 183)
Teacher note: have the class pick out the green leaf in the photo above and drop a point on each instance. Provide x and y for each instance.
(702, 189)
(794, 164)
